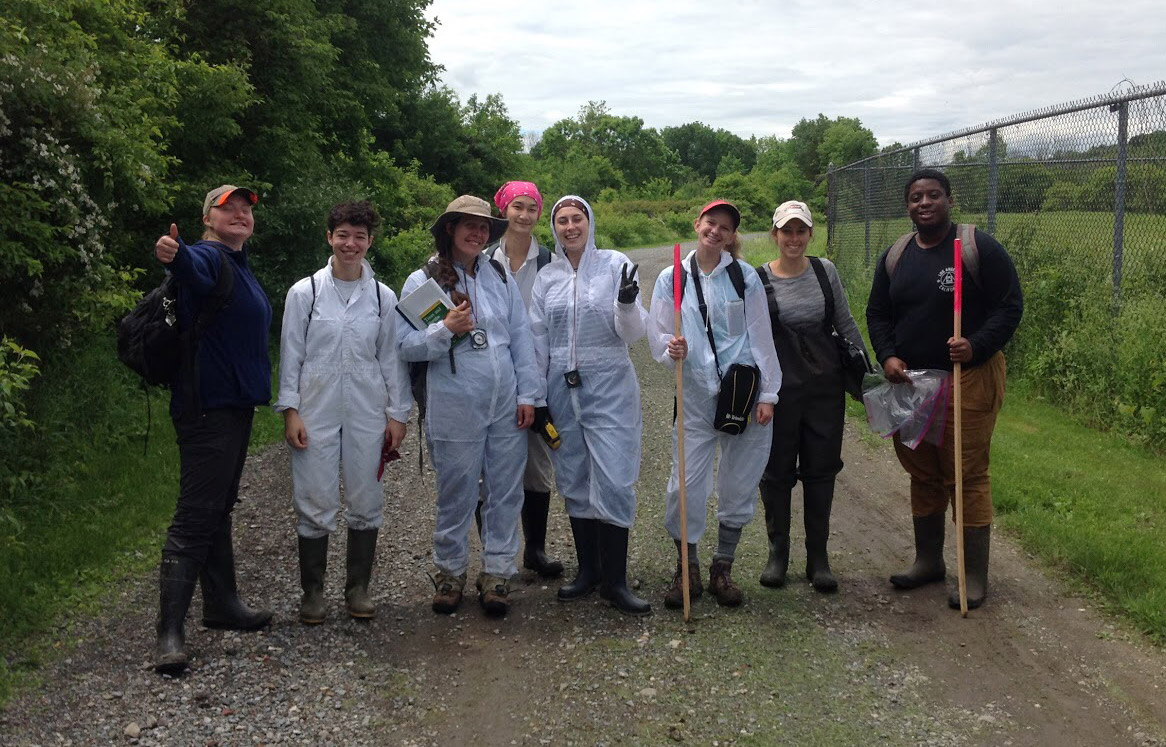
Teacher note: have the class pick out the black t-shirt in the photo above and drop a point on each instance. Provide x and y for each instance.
(910, 315)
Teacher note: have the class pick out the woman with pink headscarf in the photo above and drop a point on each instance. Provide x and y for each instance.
(521, 254)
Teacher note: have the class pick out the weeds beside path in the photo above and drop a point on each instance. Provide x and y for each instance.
(1035, 666)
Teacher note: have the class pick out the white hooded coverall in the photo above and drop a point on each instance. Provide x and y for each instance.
(742, 333)
(579, 325)
(342, 373)
(471, 418)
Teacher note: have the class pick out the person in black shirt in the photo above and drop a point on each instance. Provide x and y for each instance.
(910, 320)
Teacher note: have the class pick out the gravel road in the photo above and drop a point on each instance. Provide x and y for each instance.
(1037, 665)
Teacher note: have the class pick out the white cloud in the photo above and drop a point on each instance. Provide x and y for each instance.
(756, 67)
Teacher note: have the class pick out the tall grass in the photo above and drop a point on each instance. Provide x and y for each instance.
(1090, 503)
(98, 503)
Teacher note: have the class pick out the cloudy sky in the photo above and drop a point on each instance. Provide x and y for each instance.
(909, 71)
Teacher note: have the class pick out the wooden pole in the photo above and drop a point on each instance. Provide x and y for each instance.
(677, 290)
(958, 434)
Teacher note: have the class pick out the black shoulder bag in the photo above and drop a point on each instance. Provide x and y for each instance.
(740, 383)
(855, 363)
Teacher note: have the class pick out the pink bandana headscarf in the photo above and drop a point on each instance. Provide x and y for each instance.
(508, 191)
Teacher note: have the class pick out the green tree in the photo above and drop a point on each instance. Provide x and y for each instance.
(843, 142)
(773, 154)
(638, 154)
(702, 149)
(816, 143)
(805, 138)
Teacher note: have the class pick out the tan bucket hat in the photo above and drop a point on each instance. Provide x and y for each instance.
(470, 206)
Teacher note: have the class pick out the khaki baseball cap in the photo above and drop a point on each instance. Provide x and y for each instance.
(218, 196)
(787, 211)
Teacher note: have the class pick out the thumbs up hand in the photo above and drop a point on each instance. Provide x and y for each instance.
(166, 248)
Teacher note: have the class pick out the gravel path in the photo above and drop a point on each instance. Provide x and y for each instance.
(1036, 665)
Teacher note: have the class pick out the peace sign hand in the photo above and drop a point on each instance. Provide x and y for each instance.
(628, 287)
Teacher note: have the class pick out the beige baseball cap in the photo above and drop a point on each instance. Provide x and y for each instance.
(789, 210)
(218, 196)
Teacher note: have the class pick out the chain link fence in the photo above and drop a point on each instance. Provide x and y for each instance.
(1077, 194)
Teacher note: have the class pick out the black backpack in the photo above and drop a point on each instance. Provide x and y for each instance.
(148, 338)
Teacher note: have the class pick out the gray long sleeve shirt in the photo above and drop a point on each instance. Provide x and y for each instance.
(804, 344)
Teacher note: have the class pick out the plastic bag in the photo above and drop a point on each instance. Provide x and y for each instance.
(916, 410)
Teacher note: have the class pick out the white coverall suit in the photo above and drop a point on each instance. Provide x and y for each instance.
(341, 371)
(742, 333)
(579, 325)
(471, 418)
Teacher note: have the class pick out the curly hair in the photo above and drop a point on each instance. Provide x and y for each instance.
(360, 213)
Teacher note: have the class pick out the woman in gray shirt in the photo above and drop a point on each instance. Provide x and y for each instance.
(808, 418)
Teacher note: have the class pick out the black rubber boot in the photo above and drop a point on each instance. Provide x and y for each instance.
(976, 543)
(176, 579)
(777, 513)
(362, 548)
(536, 505)
(613, 558)
(819, 497)
(313, 566)
(586, 533)
(221, 607)
(928, 567)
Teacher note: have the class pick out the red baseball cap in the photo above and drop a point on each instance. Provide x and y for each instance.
(727, 206)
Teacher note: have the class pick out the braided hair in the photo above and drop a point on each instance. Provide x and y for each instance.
(444, 273)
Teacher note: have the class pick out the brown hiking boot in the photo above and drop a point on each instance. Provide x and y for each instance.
(674, 597)
(449, 592)
(721, 584)
(493, 592)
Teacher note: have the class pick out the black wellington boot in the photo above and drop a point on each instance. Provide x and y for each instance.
(221, 606)
(613, 558)
(176, 579)
(819, 497)
(928, 567)
(362, 548)
(586, 533)
(536, 505)
(976, 543)
(777, 513)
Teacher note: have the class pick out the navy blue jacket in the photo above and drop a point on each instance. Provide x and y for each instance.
(234, 368)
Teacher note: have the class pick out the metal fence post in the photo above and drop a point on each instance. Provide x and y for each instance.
(914, 160)
(993, 178)
(831, 206)
(866, 211)
(1119, 200)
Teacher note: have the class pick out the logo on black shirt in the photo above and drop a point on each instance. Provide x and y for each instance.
(946, 280)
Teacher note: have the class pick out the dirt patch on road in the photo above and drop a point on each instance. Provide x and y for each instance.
(1037, 665)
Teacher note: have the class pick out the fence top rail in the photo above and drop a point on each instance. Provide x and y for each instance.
(1094, 102)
